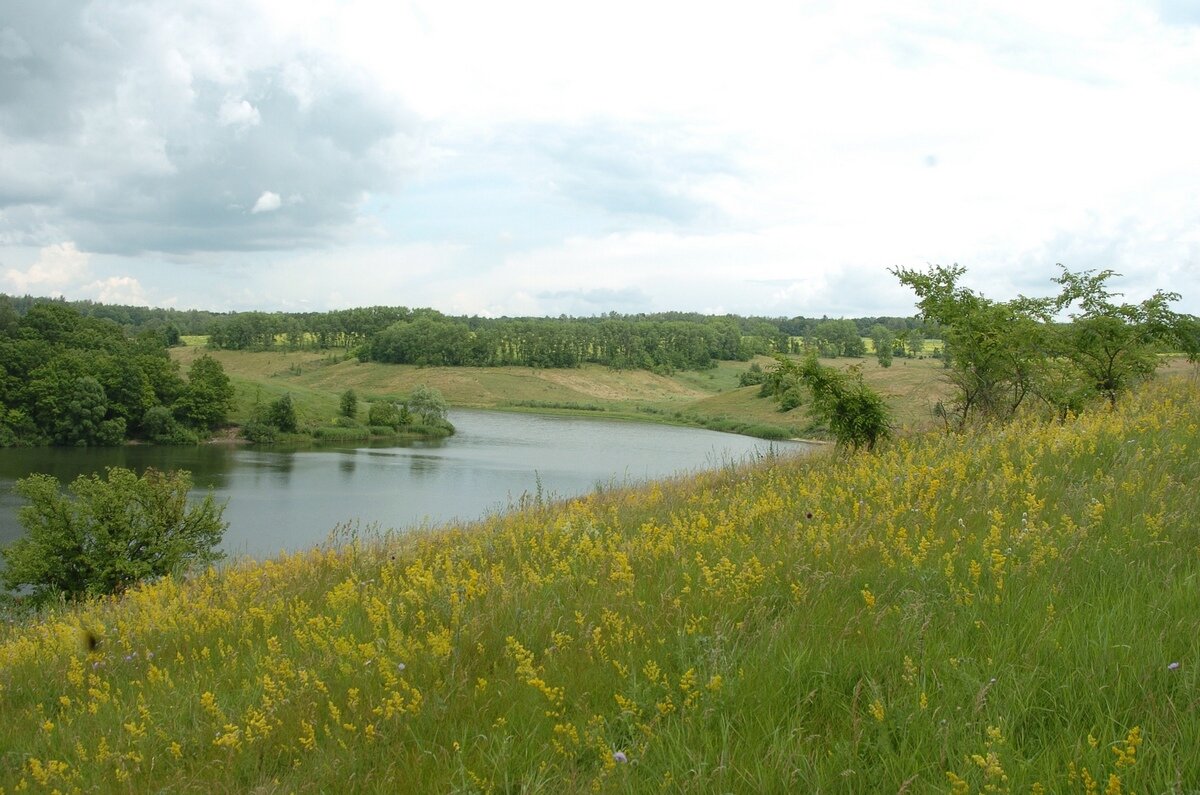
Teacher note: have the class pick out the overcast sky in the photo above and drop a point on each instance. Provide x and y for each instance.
(546, 158)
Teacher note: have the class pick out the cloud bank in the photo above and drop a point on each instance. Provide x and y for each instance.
(153, 127)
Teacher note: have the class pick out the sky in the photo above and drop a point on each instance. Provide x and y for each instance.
(546, 158)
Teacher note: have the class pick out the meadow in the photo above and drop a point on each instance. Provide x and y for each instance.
(1010, 610)
(707, 398)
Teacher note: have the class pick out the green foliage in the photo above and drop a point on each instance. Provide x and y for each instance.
(282, 414)
(752, 376)
(1115, 345)
(109, 533)
(208, 396)
(160, 426)
(839, 338)
(1000, 353)
(855, 414)
(995, 349)
(79, 380)
(349, 404)
(428, 405)
(386, 413)
(259, 431)
(884, 341)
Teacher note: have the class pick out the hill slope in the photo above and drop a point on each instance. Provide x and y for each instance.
(1013, 610)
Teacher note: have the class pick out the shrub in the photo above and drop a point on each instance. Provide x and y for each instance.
(349, 404)
(282, 414)
(259, 431)
(110, 532)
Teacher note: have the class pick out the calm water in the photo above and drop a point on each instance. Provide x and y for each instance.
(286, 500)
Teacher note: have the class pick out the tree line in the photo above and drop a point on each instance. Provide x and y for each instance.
(660, 341)
(68, 379)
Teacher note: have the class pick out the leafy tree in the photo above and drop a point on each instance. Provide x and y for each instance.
(385, 413)
(208, 396)
(109, 533)
(839, 338)
(856, 415)
(282, 414)
(884, 341)
(1115, 345)
(915, 342)
(995, 350)
(428, 404)
(349, 404)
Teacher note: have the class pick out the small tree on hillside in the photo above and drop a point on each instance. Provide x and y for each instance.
(349, 404)
(995, 349)
(282, 414)
(110, 532)
(856, 415)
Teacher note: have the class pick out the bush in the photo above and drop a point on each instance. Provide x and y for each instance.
(349, 404)
(428, 404)
(753, 376)
(259, 431)
(110, 533)
(385, 412)
(282, 414)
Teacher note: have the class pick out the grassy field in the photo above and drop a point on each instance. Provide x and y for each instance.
(709, 398)
(1008, 611)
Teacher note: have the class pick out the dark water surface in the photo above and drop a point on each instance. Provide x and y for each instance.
(291, 499)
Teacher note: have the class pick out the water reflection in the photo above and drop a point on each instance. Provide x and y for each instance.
(288, 499)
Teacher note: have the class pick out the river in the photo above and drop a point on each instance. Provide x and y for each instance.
(283, 499)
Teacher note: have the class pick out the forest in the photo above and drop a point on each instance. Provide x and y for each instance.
(70, 379)
(662, 342)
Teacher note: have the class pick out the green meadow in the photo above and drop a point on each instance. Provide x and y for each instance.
(1010, 609)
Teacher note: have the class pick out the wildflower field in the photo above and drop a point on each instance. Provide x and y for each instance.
(1013, 610)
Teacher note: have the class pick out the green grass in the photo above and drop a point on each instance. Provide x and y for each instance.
(1013, 608)
(707, 398)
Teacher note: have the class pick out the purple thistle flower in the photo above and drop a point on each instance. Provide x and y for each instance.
(620, 758)
(1175, 666)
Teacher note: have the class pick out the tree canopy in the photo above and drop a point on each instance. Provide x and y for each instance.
(1001, 353)
(69, 379)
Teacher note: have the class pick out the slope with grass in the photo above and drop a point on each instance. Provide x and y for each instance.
(1013, 610)
(709, 398)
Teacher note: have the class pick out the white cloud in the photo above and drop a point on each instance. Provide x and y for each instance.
(116, 290)
(58, 266)
(773, 158)
(268, 202)
(238, 113)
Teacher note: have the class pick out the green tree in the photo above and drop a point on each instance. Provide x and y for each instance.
(1115, 345)
(282, 414)
(207, 398)
(855, 414)
(884, 341)
(109, 533)
(385, 413)
(915, 341)
(349, 404)
(428, 404)
(996, 349)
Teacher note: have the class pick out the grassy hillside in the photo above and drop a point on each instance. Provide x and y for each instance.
(1008, 611)
(709, 398)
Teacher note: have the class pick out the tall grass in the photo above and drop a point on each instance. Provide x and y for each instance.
(1014, 610)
